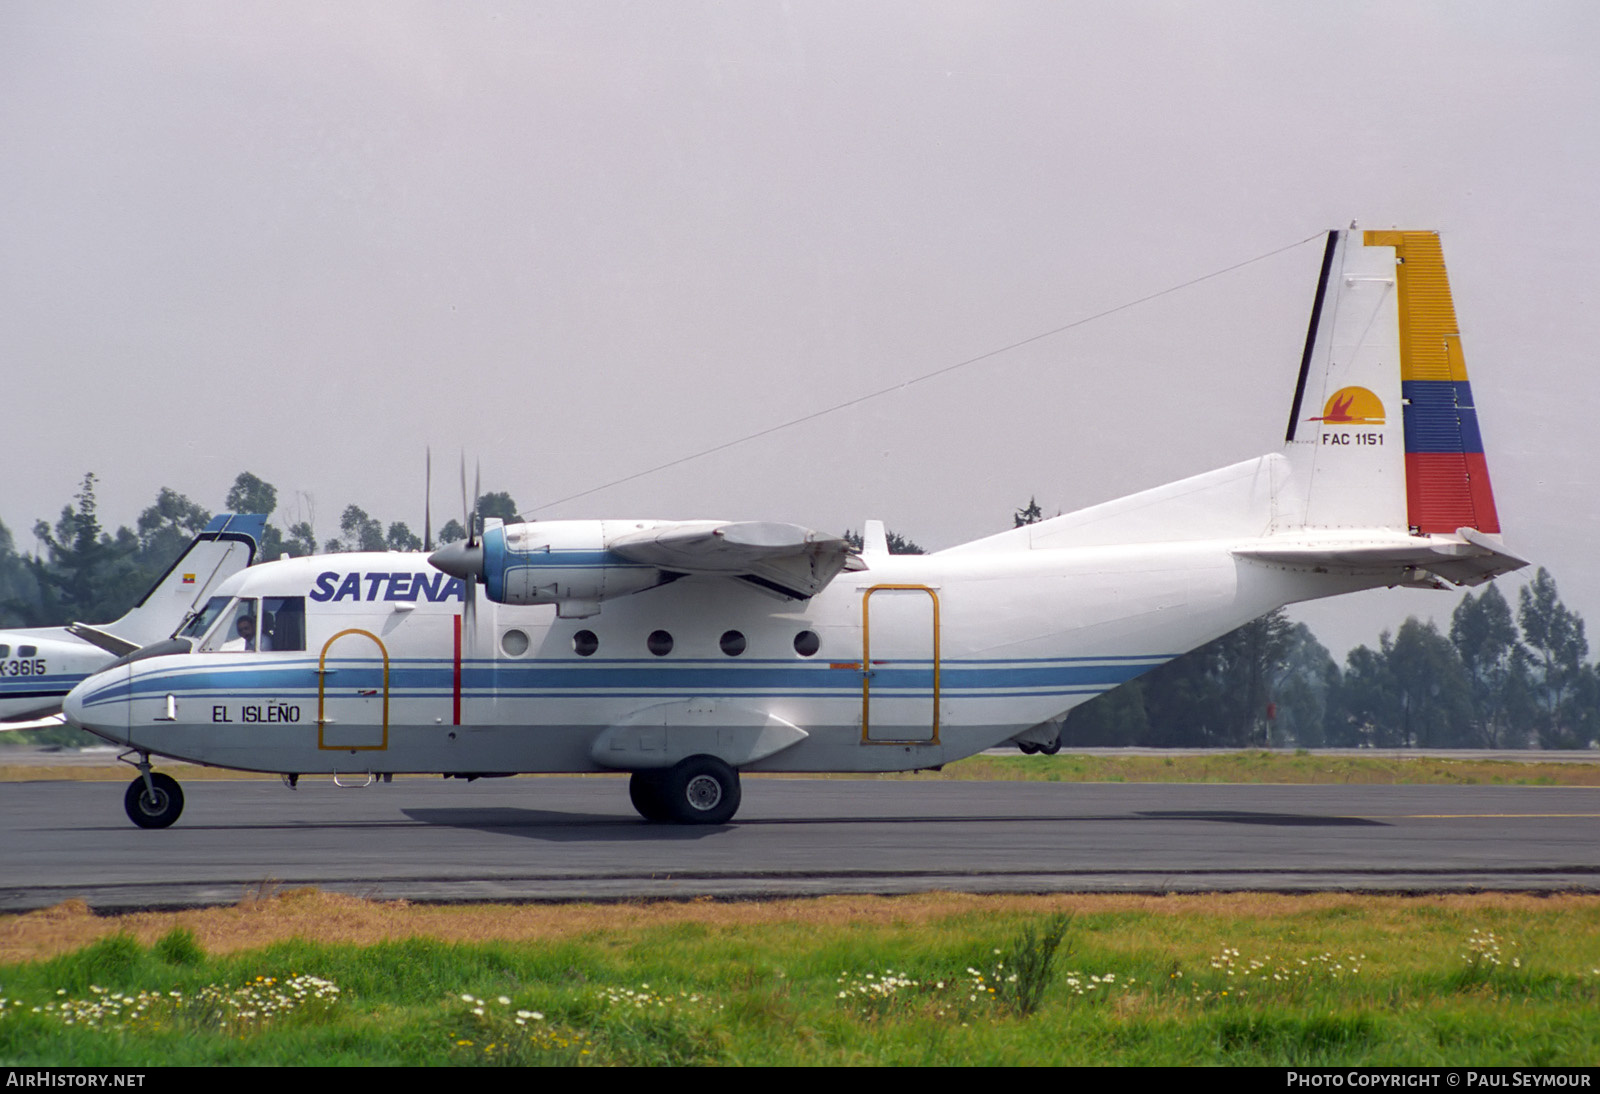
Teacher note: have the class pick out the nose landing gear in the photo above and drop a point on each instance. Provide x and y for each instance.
(153, 800)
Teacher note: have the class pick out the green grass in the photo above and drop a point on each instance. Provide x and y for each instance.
(1388, 981)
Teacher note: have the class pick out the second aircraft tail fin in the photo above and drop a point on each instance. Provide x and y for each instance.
(227, 545)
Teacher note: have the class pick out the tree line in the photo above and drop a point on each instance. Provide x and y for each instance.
(1492, 682)
(86, 572)
(1498, 679)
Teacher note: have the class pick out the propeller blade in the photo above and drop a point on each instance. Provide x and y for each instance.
(466, 512)
(427, 503)
(477, 496)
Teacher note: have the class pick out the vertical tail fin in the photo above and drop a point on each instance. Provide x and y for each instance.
(227, 545)
(1383, 431)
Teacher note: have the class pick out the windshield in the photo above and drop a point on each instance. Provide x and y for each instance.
(239, 631)
(200, 623)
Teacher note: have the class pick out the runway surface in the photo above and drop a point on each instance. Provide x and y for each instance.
(578, 839)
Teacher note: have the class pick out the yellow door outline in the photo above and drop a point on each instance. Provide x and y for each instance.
(322, 678)
(866, 667)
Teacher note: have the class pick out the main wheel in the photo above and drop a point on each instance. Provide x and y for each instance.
(1052, 748)
(701, 790)
(1027, 748)
(645, 790)
(153, 810)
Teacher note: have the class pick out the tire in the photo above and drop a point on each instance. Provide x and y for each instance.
(1052, 748)
(1027, 748)
(158, 811)
(645, 791)
(701, 790)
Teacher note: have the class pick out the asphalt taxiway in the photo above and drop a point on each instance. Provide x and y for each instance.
(572, 838)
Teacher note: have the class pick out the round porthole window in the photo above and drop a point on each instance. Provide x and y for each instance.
(584, 643)
(806, 643)
(659, 643)
(514, 643)
(732, 643)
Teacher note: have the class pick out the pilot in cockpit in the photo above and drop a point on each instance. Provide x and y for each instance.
(244, 633)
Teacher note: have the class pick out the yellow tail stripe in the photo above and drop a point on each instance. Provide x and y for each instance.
(1430, 340)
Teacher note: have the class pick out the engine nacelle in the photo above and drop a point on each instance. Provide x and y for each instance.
(576, 564)
(566, 563)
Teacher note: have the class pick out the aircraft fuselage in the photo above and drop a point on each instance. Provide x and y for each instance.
(912, 663)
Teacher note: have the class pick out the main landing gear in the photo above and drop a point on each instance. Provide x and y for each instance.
(699, 790)
(153, 800)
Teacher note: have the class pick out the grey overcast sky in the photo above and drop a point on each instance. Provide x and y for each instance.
(578, 240)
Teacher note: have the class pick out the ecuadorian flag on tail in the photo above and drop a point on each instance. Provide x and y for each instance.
(1447, 477)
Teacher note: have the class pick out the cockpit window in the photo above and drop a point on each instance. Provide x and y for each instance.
(199, 624)
(239, 630)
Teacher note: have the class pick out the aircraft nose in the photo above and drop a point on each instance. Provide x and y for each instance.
(72, 705)
(106, 719)
(459, 560)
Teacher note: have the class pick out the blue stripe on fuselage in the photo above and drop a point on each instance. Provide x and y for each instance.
(626, 678)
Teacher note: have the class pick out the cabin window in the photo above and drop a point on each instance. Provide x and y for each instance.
(659, 643)
(514, 643)
(732, 643)
(27, 651)
(806, 643)
(584, 643)
(5, 651)
(283, 623)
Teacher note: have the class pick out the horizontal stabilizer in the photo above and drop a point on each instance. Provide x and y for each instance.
(117, 647)
(1468, 558)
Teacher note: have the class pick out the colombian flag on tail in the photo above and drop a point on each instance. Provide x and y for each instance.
(1447, 477)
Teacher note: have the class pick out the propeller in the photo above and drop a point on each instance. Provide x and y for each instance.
(464, 559)
(427, 503)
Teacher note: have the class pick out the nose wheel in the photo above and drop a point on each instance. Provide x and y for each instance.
(153, 800)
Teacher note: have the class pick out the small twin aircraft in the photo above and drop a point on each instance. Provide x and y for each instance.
(687, 652)
(39, 666)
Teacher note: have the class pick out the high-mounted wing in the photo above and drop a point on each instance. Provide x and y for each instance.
(785, 558)
(577, 564)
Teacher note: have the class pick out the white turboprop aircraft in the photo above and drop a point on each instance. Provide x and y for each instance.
(687, 652)
(40, 665)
